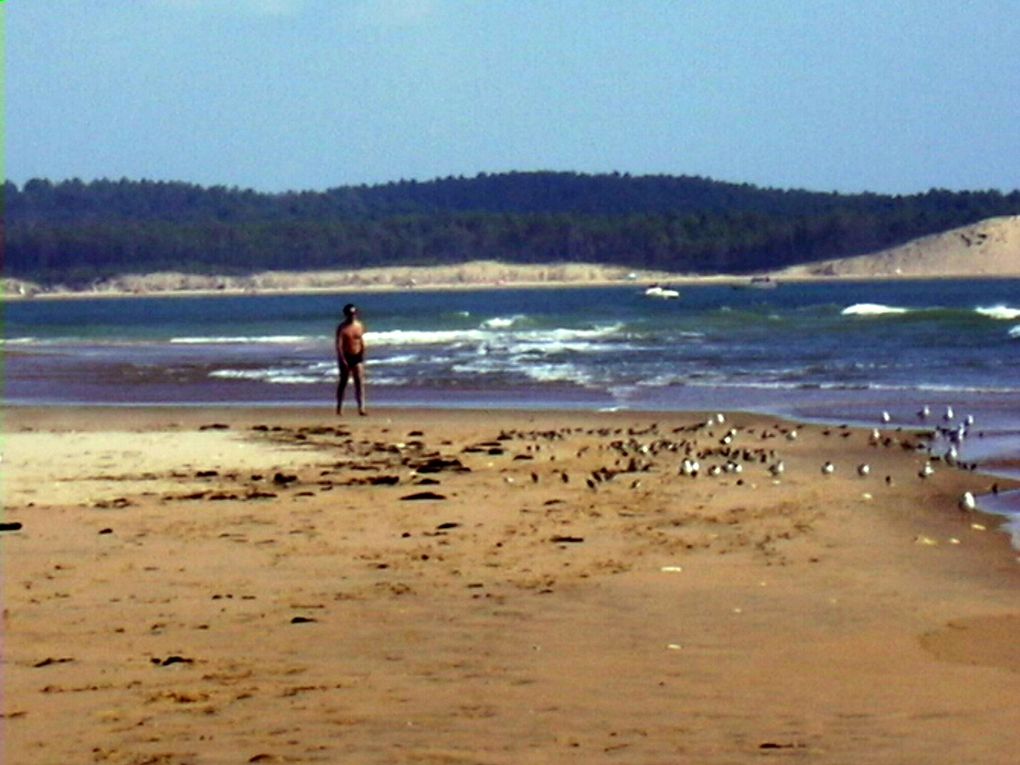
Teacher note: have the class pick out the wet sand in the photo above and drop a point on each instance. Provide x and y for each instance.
(214, 586)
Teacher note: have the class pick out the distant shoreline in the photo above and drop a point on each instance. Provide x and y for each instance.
(989, 249)
(476, 275)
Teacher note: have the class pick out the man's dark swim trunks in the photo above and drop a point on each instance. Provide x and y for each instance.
(354, 359)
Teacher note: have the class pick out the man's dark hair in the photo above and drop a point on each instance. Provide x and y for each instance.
(350, 309)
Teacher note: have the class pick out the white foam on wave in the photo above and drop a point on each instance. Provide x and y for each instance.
(542, 372)
(549, 373)
(551, 347)
(564, 335)
(234, 340)
(269, 375)
(503, 322)
(424, 337)
(871, 309)
(1015, 332)
(410, 337)
(398, 360)
(18, 341)
(1000, 312)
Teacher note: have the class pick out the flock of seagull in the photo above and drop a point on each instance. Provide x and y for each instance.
(951, 434)
(729, 453)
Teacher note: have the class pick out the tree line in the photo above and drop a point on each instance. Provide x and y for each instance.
(72, 231)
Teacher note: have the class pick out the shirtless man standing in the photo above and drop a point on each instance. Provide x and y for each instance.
(350, 357)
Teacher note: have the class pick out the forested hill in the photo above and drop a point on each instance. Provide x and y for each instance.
(77, 231)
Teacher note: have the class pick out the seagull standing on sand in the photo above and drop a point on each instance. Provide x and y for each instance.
(924, 412)
(863, 470)
(949, 415)
(828, 468)
(952, 456)
(886, 417)
(927, 470)
(967, 502)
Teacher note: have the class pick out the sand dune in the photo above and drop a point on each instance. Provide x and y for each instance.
(988, 248)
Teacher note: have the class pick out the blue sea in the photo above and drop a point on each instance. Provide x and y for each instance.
(829, 352)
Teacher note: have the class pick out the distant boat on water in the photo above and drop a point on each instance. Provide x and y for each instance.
(758, 283)
(657, 291)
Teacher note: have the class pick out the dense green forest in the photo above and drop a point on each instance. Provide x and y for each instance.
(73, 231)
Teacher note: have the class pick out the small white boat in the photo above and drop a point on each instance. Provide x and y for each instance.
(661, 292)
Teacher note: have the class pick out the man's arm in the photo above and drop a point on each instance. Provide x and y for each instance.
(361, 338)
(341, 357)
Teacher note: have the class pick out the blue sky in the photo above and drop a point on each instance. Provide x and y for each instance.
(881, 95)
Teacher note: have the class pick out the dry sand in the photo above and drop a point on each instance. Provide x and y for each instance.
(273, 591)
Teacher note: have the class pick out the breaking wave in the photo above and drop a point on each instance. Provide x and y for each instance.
(1001, 312)
(274, 339)
(872, 309)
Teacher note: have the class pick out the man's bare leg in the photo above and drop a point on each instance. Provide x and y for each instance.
(359, 388)
(341, 387)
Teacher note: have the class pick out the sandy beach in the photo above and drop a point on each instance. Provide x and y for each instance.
(244, 585)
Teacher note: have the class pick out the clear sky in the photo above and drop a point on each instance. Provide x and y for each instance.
(846, 95)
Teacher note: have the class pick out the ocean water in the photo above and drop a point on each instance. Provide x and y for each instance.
(798, 348)
(828, 352)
